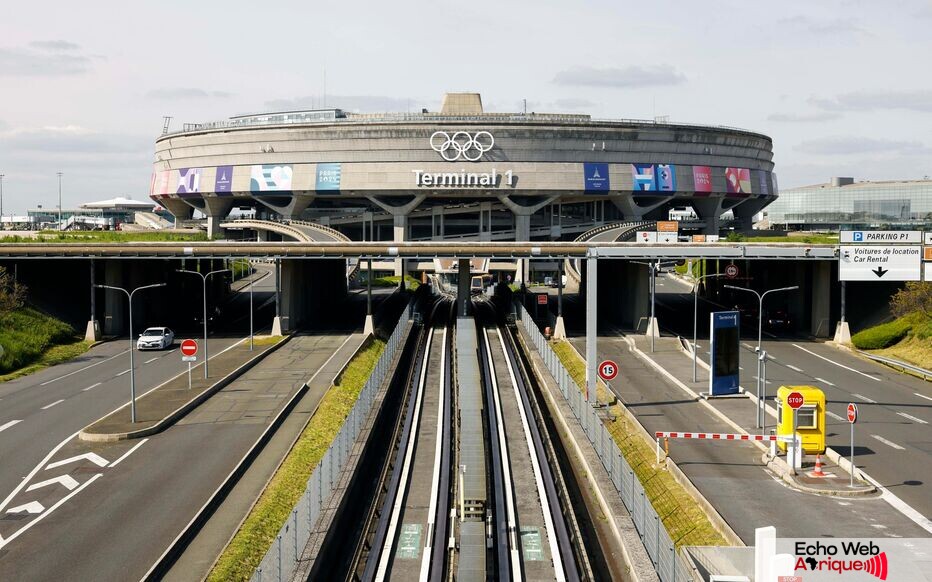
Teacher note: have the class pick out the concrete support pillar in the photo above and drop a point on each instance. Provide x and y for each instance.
(92, 334)
(277, 322)
(559, 328)
(114, 301)
(591, 327)
(842, 331)
(263, 235)
(369, 328)
(522, 234)
(710, 211)
(216, 210)
(400, 234)
(462, 288)
(485, 221)
(821, 298)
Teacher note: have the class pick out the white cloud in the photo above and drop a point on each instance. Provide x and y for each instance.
(633, 77)
(804, 117)
(848, 145)
(186, 93)
(54, 45)
(910, 100)
(16, 62)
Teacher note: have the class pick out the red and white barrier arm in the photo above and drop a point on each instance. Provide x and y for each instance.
(718, 436)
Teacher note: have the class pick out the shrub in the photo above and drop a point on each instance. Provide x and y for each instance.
(882, 336)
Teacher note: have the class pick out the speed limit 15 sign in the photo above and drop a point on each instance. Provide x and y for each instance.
(608, 370)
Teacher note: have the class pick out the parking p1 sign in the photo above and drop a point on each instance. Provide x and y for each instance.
(880, 236)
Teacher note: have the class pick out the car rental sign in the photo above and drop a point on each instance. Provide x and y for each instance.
(880, 263)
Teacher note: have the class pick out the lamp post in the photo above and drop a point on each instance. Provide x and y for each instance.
(760, 322)
(60, 225)
(132, 346)
(1, 201)
(696, 315)
(204, 280)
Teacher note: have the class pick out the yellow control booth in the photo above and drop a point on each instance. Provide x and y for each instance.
(810, 423)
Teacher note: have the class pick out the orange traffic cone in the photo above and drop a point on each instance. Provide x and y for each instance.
(818, 467)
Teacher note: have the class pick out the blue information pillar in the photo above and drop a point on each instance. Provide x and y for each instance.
(725, 329)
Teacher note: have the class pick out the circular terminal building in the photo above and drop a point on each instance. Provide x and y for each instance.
(462, 173)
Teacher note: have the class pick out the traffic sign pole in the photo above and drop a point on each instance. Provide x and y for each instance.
(852, 418)
(795, 401)
(189, 375)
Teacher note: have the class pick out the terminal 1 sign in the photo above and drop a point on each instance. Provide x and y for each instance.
(725, 327)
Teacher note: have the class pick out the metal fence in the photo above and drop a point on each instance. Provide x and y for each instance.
(280, 562)
(669, 565)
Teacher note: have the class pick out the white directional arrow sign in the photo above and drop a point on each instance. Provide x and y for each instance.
(31, 507)
(880, 263)
(92, 457)
(66, 481)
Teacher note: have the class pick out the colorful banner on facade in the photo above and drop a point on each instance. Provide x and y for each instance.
(595, 177)
(702, 179)
(223, 180)
(642, 177)
(189, 181)
(738, 180)
(764, 185)
(160, 182)
(328, 178)
(666, 178)
(270, 178)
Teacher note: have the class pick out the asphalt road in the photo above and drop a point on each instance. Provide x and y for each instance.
(893, 436)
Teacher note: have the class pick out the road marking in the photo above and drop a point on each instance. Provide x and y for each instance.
(31, 507)
(34, 471)
(121, 373)
(47, 406)
(878, 526)
(912, 418)
(92, 457)
(82, 369)
(4, 542)
(128, 453)
(66, 481)
(837, 364)
(888, 443)
(865, 399)
(824, 381)
(794, 368)
(150, 360)
(922, 396)
(3, 427)
(91, 386)
(748, 347)
(833, 415)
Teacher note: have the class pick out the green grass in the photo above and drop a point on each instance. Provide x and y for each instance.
(908, 338)
(240, 268)
(809, 239)
(245, 551)
(105, 236)
(682, 517)
(32, 340)
(393, 280)
(883, 335)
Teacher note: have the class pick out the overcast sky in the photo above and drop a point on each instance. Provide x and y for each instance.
(842, 86)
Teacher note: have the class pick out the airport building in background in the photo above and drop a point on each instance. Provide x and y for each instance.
(461, 173)
(843, 203)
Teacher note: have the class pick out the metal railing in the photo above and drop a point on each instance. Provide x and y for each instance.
(626, 228)
(281, 561)
(660, 548)
(926, 374)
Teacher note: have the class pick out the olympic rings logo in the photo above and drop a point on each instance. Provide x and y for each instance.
(461, 145)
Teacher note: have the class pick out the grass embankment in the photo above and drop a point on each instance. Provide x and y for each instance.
(105, 236)
(246, 550)
(32, 340)
(392, 281)
(686, 523)
(908, 338)
(809, 239)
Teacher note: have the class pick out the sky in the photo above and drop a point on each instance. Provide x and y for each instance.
(841, 86)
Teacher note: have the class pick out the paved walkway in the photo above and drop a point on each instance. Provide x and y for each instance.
(730, 474)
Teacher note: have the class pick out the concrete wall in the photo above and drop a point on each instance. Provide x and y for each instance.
(310, 292)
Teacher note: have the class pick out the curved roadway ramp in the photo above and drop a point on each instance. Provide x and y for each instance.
(615, 232)
(299, 230)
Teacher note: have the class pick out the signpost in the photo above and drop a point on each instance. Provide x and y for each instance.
(852, 418)
(732, 271)
(724, 353)
(608, 370)
(880, 236)
(189, 354)
(795, 401)
(646, 236)
(542, 299)
(668, 226)
(880, 263)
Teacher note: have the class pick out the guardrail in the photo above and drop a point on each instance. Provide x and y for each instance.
(573, 272)
(926, 374)
(281, 560)
(669, 565)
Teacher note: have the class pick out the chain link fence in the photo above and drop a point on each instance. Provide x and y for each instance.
(280, 562)
(669, 565)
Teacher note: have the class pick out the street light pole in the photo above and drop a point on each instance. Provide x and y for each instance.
(760, 323)
(132, 346)
(1, 201)
(251, 340)
(60, 225)
(696, 315)
(204, 280)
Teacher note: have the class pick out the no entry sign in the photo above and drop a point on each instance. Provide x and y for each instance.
(852, 412)
(608, 370)
(542, 299)
(189, 347)
(795, 400)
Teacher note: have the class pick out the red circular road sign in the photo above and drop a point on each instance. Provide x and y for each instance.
(542, 299)
(731, 271)
(608, 370)
(852, 412)
(189, 347)
(795, 400)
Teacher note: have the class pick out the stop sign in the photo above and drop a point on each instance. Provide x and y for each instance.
(795, 400)
(608, 370)
(852, 412)
(189, 347)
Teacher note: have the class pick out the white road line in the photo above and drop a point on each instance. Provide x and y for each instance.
(865, 399)
(121, 373)
(47, 406)
(837, 364)
(128, 453)
(888, 443)
(824, 381)
(50, 510)
(36, 470)
(792, 367)
(82, 369)
(91, 387)
(3, 427)
(912, 418)
(922, 396)
(833, 415)
(150, 360)
(748, 347)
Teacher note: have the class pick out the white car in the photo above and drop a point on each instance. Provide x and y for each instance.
(155, 338)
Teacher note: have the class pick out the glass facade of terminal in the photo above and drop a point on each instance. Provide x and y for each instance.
(858, 205)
